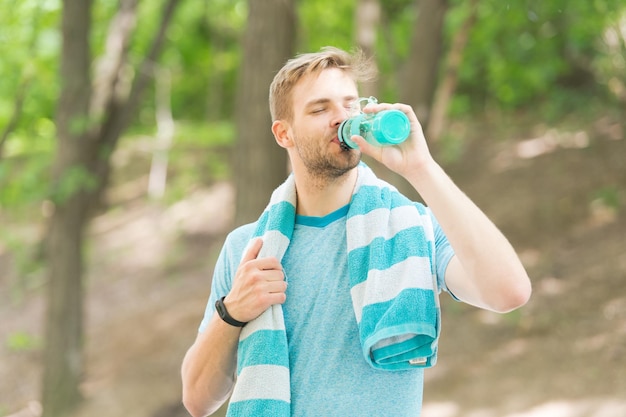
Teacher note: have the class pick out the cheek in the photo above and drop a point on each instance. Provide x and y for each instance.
(311, 134)
(306, 146)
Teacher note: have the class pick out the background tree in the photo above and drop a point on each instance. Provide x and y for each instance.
(449, 78)
(415, 75)
(90, 119)
(527, 68)
(64, 331)
(419, 78)
(367, 22)
(259, 163)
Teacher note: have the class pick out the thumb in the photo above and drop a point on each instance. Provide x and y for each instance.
(253, 250)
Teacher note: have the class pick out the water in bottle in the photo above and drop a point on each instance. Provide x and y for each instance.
(385, 128)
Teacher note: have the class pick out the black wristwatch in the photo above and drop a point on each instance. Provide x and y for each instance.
(221, 310)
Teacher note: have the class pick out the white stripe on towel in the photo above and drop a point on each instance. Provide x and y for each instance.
(377, 288)
(270, 319)
(248, 388)
(395, 220)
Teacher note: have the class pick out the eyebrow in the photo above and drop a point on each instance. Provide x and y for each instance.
(323, 100)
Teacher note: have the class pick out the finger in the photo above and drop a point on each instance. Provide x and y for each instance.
(265, 275)
(276, 298)
(367, 148)
(276, 286)
(267, 264)
(253, 250)
(274, 275)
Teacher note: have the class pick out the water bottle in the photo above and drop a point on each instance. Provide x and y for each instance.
(385, 128)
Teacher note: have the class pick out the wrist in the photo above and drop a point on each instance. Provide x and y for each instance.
(422, 172)
(222, 311)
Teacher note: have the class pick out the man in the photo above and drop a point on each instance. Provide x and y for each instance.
(328, 373)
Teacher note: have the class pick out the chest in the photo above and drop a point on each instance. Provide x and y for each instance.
(318, 291)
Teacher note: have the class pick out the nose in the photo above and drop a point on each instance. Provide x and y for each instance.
(340, 113)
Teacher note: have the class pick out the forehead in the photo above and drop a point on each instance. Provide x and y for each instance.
(329, 84)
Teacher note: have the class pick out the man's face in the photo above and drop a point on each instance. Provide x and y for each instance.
(320, 103)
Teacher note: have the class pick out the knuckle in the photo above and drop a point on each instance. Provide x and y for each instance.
(265, 300)
(254, 278)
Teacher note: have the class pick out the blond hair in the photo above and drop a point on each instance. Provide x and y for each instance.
(355, 64)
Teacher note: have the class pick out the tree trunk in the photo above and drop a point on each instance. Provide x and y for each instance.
(88, 131)
(122, 106)
(418, 79)
(447, 86)
(164, 137)
(420, 74)
(260, 165)
(63, 357)
(367, 21)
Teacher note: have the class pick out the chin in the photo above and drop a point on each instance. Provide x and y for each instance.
(354, 158)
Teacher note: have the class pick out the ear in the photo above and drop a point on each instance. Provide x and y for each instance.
(280, 129)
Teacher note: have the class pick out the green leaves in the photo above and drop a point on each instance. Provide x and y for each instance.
(21, 341)
(522, 51)
(519, 53)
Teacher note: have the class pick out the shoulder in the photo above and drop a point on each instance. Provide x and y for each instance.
(238, 238)
(243, 232)
(230, 257)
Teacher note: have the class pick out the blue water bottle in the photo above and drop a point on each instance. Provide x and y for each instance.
(385, 128)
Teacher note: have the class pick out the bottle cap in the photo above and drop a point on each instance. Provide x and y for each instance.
(391, 127)
(347, 128)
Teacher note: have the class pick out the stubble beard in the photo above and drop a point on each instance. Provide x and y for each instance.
(325, 166)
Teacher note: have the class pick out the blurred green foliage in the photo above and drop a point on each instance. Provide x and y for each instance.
(22, 341)
(200, 156)
(524, 51)
(521, 54)
(609, 196)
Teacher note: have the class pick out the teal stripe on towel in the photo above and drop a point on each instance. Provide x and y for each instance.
(410, 305)
(414, 311)
(372, 197)
(263, 347)
(382, 254)
(259, 408)
(281, 219)
(397, 356)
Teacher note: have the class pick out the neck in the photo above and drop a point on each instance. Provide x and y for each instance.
(318, 197)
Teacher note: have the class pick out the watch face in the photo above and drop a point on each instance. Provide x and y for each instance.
(219, 306)
(223, 313)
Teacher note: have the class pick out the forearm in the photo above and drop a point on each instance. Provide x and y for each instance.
(208, 369)
(489, 273)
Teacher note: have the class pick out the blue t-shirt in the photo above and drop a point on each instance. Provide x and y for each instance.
(329, 376)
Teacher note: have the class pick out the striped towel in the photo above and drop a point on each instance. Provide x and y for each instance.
(393, 288)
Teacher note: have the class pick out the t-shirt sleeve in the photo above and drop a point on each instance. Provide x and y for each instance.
(225, 268)
(443, 253)
(219, 287)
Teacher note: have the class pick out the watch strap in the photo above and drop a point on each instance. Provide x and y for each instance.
(223, 313)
